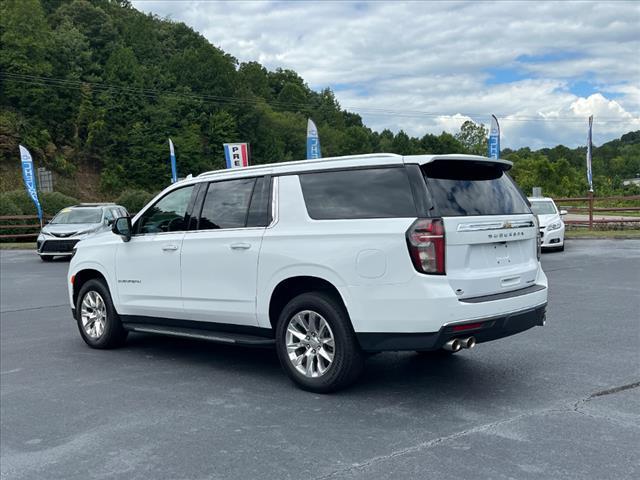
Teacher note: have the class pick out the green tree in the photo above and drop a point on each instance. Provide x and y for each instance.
(254, 78)
(403, 145)
(25, 39)
(122, 67)
(441, 144)
(473, 138)
(292, 97)
(92, 21)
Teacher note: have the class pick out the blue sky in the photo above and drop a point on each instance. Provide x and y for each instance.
(425, 67)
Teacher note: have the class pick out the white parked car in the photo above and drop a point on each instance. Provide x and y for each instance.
(325, 259)
(551, 224)
(72, 224)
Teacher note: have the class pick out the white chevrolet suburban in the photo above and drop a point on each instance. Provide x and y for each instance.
(326, 259)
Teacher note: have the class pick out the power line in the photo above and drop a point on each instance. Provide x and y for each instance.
(229, 100)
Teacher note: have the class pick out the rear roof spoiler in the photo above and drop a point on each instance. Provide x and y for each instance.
(424, 159)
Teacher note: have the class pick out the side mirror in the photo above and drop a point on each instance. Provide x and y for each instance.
(563, 212)
(122, 227)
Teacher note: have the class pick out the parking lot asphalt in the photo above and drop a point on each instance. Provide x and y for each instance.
(560, 401)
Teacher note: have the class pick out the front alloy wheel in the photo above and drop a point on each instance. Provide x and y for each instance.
(310, 344)
(97, 319)
(93, 314)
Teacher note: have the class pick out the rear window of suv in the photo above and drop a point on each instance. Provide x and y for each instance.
(460, 188)
(362, 193)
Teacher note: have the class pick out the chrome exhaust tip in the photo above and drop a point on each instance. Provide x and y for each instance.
(452, 345)
(469, 342)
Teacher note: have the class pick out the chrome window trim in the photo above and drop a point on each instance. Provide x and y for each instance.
(209, 230)
(275, 182)
(483, 226)
(157, 234)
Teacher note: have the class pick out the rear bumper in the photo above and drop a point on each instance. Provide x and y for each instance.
(426, 303)
(485, 330)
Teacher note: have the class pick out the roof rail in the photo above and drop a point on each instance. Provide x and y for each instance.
(303, 162)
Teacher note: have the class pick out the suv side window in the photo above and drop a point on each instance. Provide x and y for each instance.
(259, 213)
(167, 214)
(361, 193)
(226, 204)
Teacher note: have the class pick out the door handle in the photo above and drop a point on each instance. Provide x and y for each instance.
(170, 248)
(240, 246)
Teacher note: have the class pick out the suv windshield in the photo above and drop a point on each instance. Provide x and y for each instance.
(78, 215)
(460, 188)
(543, 208)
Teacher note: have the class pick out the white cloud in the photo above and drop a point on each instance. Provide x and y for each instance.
(390, 60)
(598, 105)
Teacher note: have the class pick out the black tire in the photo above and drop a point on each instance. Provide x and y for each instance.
(46, 258)
(348, 359)
(561, 249)
(114, 334)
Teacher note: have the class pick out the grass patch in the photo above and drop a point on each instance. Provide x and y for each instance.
(632, 233)
(18, 246)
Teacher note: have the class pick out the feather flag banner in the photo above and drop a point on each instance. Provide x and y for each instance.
(589, 149)
(494, 138)
(29, 177)
(172, 158)
(313, 141)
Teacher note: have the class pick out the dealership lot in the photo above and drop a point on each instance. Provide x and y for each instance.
(562, 401)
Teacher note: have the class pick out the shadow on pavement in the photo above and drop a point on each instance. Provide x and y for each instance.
(400, 374)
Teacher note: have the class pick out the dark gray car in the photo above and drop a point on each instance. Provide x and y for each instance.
(73, 224)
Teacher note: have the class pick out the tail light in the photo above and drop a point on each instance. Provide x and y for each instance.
(425, 239)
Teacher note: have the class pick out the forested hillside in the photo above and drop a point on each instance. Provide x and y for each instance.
(95, 88)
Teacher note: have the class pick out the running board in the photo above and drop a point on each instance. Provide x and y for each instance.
(212, 336)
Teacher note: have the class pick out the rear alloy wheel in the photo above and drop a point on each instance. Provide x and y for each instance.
(310, 344)
(97, 319)
(316, 344)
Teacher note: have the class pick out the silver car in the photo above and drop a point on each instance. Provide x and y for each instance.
(72, 224)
